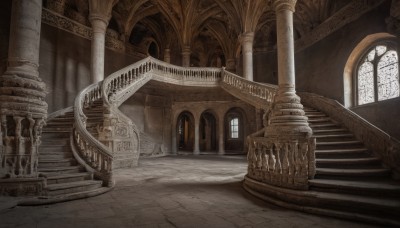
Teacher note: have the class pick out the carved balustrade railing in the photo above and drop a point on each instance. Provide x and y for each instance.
(93, 152)
(288, 163)
(259, 95)
(377, 141)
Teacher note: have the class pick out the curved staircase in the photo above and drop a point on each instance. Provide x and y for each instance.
(350, 181)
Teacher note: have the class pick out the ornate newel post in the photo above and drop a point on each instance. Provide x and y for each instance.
(99, 16)
(285, 155)
(247, 50)
(186, 56)
(22, 107)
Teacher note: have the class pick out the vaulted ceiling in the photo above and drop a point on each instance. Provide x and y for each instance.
(209, 27)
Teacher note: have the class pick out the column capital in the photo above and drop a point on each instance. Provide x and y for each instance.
(101, 10)
(186, 50)
(280, 5)
(247, 37)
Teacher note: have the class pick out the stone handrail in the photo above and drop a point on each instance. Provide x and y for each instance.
(377, 141)
(93, 152)
(285, 163)
(257, 94)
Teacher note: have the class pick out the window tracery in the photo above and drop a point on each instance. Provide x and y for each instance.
(378, 75)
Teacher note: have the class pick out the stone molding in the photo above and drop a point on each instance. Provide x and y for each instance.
(61, 22)
(347, 14)
(280, 5)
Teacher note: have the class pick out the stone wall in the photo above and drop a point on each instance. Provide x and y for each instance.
(320, 68)
(65, 65)
(5, 15)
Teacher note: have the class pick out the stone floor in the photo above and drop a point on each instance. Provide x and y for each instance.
(181, 191)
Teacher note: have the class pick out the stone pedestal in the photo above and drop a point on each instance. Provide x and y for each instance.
(186, 56)
(247, 51)
(22, 107)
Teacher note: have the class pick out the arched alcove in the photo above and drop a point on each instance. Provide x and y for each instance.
(208, 132)
(185, 131)
(235, 132)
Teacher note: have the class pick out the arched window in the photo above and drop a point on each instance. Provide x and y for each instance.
(234, 128)
(377, 74)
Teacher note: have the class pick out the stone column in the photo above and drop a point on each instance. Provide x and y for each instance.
(22, 107)
(99, 16)
(231, 65)
(221, 138)
(167, 55)
(288, 117)
(247, 51)
(174, 149)
(186, 56)
(196, 148)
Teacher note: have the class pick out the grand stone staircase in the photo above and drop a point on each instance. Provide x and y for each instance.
(350, 180)
(66, 178)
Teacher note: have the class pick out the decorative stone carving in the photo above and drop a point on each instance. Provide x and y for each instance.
(280, 5)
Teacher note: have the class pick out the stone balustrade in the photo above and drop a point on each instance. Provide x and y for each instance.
(93, 152)
(380, 143)
(288, 163)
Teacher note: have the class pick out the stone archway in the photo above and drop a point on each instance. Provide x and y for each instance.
(185, 131)
(208, 132)
(235, 130)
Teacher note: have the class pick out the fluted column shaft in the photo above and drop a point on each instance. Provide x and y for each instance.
(247, 51)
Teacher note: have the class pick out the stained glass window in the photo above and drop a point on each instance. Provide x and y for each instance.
(234, 124)
(378, 75)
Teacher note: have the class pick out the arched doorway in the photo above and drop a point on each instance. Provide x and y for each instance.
(235, 131)
(185, 131)
(208, 132)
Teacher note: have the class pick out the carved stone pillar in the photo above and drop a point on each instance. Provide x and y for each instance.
(221, 138)
(288, 117)
(99, 16)
(167, 55)
(247, 51)
(22, 106)
(174, 149)
(231, 65)
(186, 56)
(196, 148)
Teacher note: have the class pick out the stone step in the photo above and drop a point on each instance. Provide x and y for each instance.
(56, 129)
(343, 153)
(315, 114)
(342, 144)
(50, 135)
(72, 187)
(69, 177)
(54, 148)
(45, 162)
(51, 171)
(333, 137)
(328, 125)
(377, 188)
(329, 131)
(56, 142)
(59, 124)
(55, 155)
(332, 173)
(319, 120)
(367, 205)
(348, 162)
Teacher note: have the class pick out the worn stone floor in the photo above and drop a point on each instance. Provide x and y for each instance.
(179, 191)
